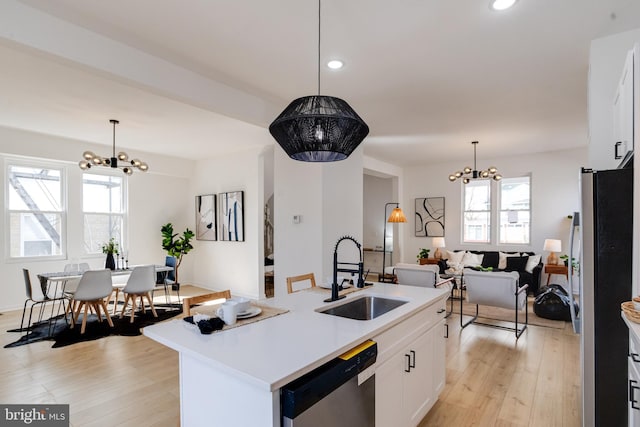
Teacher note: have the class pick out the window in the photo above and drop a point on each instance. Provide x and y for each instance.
(515, 210)
(476, 217)
(103, 208)
(36, 214)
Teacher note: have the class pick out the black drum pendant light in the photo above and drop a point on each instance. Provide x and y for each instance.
(319, 128)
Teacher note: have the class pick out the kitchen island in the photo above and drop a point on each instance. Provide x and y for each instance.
(234, 376)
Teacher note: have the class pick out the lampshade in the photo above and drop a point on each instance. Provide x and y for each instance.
(552, 245)
(397, 216)
(438, 242)
(318, 129)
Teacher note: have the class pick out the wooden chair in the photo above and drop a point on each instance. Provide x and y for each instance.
(303, 277)
(188, 302)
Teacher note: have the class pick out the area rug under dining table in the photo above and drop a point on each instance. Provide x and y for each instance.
(63, 335)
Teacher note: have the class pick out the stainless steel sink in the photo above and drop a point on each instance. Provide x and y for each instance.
(364, 308)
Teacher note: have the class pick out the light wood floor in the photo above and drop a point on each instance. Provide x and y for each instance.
(492, 380)
(133, 381)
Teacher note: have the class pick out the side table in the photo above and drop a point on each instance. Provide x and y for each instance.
(559, 269)
(428, 261)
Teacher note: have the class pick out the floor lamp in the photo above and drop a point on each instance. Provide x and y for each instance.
(396, 216)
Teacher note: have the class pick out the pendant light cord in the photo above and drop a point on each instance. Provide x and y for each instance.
(319, 15)
(114, 139)
(475, 168)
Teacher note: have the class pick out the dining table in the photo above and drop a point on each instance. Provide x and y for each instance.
(53, 283)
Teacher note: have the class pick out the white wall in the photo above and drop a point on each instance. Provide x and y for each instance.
(237, 266)
(155, 198)
(328, 197)
(377, 192)
(554, 188)
(606, 61)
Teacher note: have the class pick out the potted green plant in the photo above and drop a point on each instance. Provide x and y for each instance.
(175, 246)
(574, 262)
(424, 253)
(110, 248)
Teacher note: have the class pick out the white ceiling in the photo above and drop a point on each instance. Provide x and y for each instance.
(428, 76)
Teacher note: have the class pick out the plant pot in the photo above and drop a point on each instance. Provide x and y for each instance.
(566, 263)
(110, 262)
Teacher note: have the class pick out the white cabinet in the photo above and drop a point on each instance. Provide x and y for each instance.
(623, 112)
(439, 358)
(410, 379)
(634, 382)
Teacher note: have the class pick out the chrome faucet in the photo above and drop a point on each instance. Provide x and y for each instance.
(335, 287)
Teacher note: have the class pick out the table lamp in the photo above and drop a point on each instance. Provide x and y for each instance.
(438, 242)
(553, 246)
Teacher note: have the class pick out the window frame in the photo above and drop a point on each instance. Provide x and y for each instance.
(11, 161)
(489, 212)
(124, 214)
(499, 211)
(495, 203)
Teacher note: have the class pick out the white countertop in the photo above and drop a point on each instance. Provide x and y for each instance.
(272, 352)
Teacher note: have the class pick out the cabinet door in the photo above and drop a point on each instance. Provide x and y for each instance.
(389, 407)
(418, 382)
(623, 111)
(439, 359)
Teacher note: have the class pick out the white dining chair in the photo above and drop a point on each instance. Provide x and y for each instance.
(93, 288)
(141, 283)
(34, 300)
(69, 286)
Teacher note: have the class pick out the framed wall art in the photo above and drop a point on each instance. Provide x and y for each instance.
(430, 217)
(206, 227)
(231, 216)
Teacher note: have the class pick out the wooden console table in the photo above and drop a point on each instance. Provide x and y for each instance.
(428, 261)
(552, 269)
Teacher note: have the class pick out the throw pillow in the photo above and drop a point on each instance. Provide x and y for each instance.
(454, 262)
(455, 257)
(471, 260)
(490, 259)
(516, 263)
(532, 262)
(502, 263)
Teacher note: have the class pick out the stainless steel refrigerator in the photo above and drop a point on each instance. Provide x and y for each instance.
(601, 239)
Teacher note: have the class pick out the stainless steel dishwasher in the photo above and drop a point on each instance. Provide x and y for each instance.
(333, 394)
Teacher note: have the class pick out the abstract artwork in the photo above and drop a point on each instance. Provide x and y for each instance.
(430, 217)
(231, 216)
(206, 217)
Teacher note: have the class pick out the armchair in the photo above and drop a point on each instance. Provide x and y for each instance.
(422, 275)
(496, 289)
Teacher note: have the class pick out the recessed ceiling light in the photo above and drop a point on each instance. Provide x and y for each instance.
(501, 4)
(335, 64)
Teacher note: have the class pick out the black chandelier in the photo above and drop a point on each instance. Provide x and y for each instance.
(467, 174)
(319, 128)
(91, 159)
